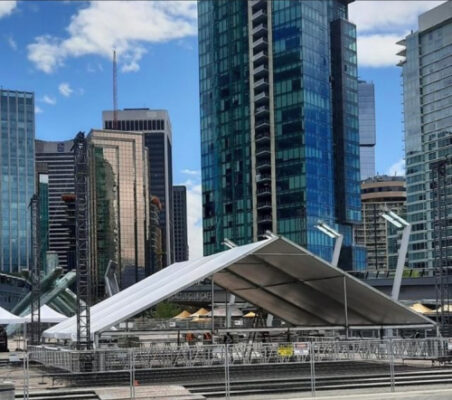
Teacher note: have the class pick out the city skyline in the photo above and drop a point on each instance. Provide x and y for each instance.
(64, 83)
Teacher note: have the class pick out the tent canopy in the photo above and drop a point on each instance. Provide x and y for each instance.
(184, 314)
(48, 315)
(200, 313)
(274, 274)
(221, 312)
(420, 308)
(7, 318)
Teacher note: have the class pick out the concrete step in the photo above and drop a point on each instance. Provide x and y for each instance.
(62, 395)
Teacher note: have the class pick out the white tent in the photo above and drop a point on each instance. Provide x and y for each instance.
(48, 316)
(221, 312)
(275, 274)
(7, 318)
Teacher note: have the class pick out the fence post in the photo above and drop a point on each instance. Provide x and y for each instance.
(226, 372)
(391, 364)
(26, 377)
(312, 362)
(132, 374)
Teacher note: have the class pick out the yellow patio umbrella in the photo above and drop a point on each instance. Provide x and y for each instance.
(250, 315)
(200, 312)
(420, 308)
(184, 314)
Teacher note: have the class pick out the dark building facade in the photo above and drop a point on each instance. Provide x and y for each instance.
(17, 183)
(156, 128)
(180, 223)
(55, 163)
(279, 123)
(367, 129)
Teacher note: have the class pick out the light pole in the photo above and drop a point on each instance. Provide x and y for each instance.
(399, 223)
(332, 233)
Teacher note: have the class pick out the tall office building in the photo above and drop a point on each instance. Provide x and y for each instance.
(180, 223)
(378, 194)
(427, 90)
(279, 123)
(156, 126)
(119, 212)
(367, 133)
(17, 184)
(55, 160)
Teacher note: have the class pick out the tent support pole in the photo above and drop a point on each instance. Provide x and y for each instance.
(212, 303)
(345, 307)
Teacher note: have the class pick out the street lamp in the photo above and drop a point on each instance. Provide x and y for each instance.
(332, 233)
(399, 223)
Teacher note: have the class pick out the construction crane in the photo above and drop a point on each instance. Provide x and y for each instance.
(115, 91)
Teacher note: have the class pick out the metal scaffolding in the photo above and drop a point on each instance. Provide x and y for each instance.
(35, 304)
(439, 208)
(82, 242)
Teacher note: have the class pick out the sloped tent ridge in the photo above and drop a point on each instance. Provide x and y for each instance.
(221, 312)
(182, 315)
(202, 311)
(8, 318)
(420, 308)
(48, 315)
(274, 274)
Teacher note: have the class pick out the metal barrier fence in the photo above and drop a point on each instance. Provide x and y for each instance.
(228, 369)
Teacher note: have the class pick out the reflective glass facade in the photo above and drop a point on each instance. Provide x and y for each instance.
(427, 90)
(367, 131)
(17, 184)
(118, 195)
(180, 223)
(271, 121)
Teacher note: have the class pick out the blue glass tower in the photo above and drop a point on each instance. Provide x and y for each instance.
(279, 123)
(17, 132)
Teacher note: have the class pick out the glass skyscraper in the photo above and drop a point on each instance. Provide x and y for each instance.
(17, 184)
(427, 92)
(279, 123)
(367, 134)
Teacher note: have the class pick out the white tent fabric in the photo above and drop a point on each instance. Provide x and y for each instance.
(7, 318)
(275, 274)
(48, 316)
(221, 312)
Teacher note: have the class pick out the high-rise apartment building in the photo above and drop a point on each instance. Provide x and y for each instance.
(118, 205)
(279, 123)
(55, 160)
(180, 223)
(17, 183)
(156, 127)
(378, 194)
(427, 90)
(367, 132)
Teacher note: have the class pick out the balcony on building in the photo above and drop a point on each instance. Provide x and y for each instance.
(263, 151)
(264, 205)
(262, 125)
(261, 111)
(264, 191)
(260, 71)
(258, 5)
(259, 31)
(261, 84)
(261, 98)
(260, 57)
(263, 164)
(261, 137)
(261, 178)
(260, 44)
(264, 219)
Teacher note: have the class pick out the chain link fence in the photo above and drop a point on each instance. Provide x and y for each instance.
(226, 370)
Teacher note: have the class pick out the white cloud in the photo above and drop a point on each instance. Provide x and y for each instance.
(194, 218)
(38, 110)
(397, 169)
(49, 100)
(94, 30)
(379, 50)
(191, 172)
(389, 16)
(7, 7)
(12, 43)
(65, 89)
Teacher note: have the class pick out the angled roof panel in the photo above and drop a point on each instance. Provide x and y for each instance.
(275, 274)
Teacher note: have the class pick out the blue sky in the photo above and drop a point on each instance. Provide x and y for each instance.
(62, 50)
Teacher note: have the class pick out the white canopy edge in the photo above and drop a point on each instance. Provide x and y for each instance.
(7, 318)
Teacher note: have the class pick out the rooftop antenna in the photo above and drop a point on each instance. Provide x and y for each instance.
(115, 91)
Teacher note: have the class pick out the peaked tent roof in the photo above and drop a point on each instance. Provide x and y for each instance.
(7, 318)
(274, 274)
(48, 315)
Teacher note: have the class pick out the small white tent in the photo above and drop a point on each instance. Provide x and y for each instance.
(7, 318)
(48, 316)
